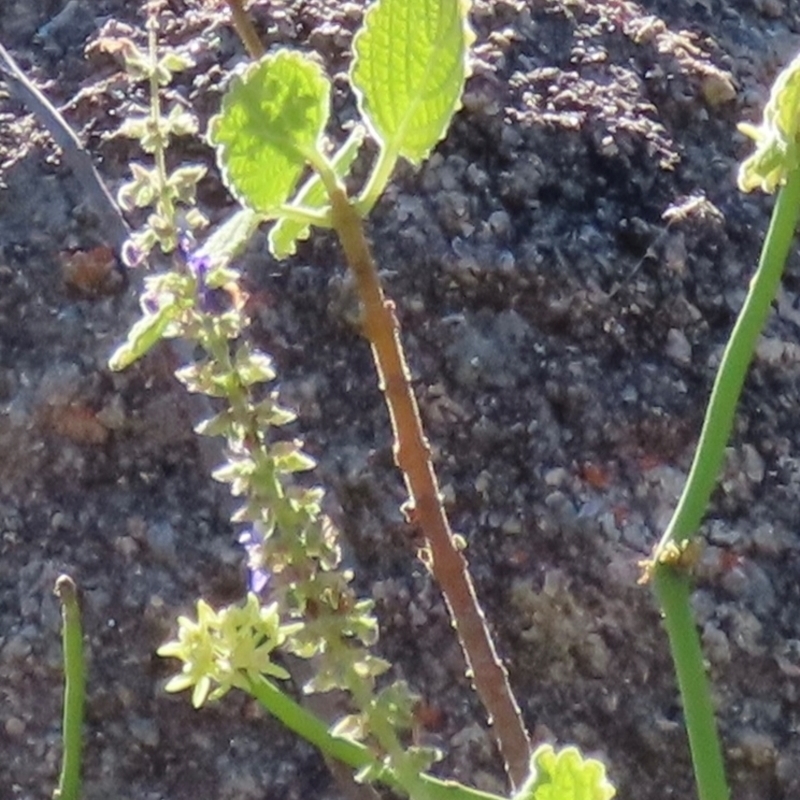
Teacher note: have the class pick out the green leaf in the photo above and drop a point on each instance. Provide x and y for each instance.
(183, 182)
(351, 726)
(173, 61)
(409, 69)
(141, 191)
(270, 412)
(271, 124)
(287, 232)
(777, 138)
(144, 334)
(180, 122)
(219, 425)
(133, 127)
(289, 457)
(253, 366)
(238, 472)
(565, 775)
(208, 377)
(231, 237)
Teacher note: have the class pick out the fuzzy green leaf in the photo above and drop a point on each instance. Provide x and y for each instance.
(183, 182)
(289, 457)
(409, 70)
(142, 337)
(173, 61)
(285, 234)
(238, 472)
(219, 425)
(133, 127)
(207, 377)
(777, 138)
(231, 237)
(270, 412)
(565, 775)
(272, 120)
(253, 366)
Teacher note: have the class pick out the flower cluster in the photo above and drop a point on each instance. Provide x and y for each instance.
(227, 648)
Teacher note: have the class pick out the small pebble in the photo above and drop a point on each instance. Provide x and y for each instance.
(678, 348)
(716, 645)
(161, 539)
(754, 748)
(15, 727)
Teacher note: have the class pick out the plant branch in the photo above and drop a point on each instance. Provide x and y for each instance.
(412, 455)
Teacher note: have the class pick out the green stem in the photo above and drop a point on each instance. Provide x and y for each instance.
(355, 755)
(381, 172)
(733, 368)
(164, 204)
(306, 216)
(673, 592)
(671, 582)
(397, 759)
(69, 784)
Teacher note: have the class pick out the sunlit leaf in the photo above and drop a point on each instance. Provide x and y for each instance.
(777, 148)
(409, 70)
(231, 237)
(272, 120)
(142, 337)
(565, 775)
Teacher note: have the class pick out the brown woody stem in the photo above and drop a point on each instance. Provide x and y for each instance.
(244, 27)
(413, 457)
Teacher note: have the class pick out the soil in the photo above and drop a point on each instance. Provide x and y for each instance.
(567, 268)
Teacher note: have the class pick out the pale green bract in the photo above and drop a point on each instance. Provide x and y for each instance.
(565, 775)
(271, 125)
(142, 337)
(409, 69)
(776, 152)
(230, 238)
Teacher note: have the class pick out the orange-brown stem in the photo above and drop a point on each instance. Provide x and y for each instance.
(413, 457)
(244, 27)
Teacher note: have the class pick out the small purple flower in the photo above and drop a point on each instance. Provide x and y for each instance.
(211, 301)
(132, 256)
(149, 303)
(259, 575)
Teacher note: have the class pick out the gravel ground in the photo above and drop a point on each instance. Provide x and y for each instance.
(567, 268)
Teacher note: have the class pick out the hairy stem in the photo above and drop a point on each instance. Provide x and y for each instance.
(69, 784)
(671, 587)
(244, 27)
(412, 455)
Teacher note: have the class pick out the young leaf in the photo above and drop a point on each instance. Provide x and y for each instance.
(409, 69)
(565, 775)
(272, 120)
(777, 151)
(142, 336)
(230, 238)
(287, 232)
